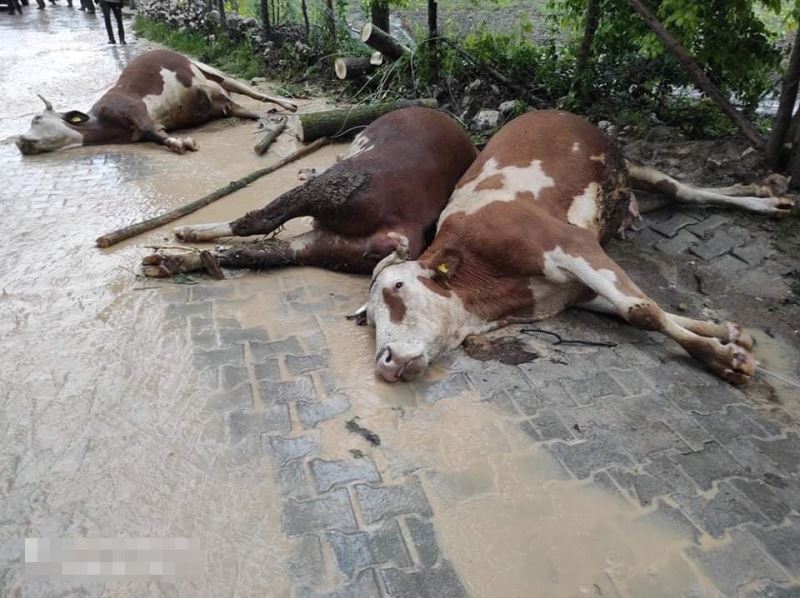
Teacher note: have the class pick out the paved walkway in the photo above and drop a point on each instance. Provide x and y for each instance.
(219, 410)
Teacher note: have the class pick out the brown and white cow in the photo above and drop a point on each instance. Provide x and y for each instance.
(156, 92)
(520, 240)
(394, 181)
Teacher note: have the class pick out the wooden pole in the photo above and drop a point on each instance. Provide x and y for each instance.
(338, 123)
(127, 232)
(378, 39)
(697, 75)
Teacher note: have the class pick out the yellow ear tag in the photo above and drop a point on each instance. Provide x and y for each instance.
(442, 268)
(75, 119)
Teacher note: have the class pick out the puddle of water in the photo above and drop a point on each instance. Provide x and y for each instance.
(783, 359)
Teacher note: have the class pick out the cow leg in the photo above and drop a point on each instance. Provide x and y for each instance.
(242, 112)
(727, 332)
(179, 145)
(584, 260)
(234, 86)
(652, 180)
(320, 248)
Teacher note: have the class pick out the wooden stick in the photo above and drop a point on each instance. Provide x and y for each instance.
(273, 132)
(142, 227)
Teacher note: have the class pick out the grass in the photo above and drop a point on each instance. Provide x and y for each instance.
(231, 57)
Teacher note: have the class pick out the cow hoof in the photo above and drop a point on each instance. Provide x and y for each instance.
(189, 144)
(781, 206)
(732, 362)
(181, 145)
(166, 263)
(739, 337)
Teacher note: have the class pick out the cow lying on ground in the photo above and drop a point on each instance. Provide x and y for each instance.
(157, 92)
(395, 180)
(520, 240)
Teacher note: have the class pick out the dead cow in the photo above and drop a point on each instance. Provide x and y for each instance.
(157, 92)
(520, 240)
(394, 182)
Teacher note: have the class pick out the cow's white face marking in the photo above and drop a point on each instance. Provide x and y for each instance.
(515, 179)
(583, 209)
(431, 322)
(48, 133)
(360, 145)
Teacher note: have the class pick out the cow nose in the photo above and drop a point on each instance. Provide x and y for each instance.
(25, 145)
(392, 364)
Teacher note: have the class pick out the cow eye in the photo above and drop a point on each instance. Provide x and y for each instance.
(398, 285)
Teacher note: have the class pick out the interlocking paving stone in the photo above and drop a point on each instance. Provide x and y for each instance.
(301, 364)
(633, 382)
(705, 399)
(212, 359)
(705, 227)
(678, 244)
(423, 536)
(262, 351)
(719, 244)
(499, 377)
(755, 253)
(585, 457)
(292, 479)
(763, 498)
(377, 502)
(331, 511)
(232, 336)
(310, 413)
(733, 423)
(231, 376)
(359, 550)
(306, 564)
(329, 474)
(550, 426)
(725, 510)
(708, 465)
(767, 589)
(667, 516)
(301, 389)
(436, 582)
(586, 390)
(671, 226)
(273, 420)
(783, 544)
(642, 486)
(269, 370)
(451, 386)
(737, 563)
(365, 585)
(284, 450)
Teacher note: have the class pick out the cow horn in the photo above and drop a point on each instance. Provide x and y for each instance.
(398, 256)
(47, 105)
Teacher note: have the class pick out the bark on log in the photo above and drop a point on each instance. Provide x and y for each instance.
(127, 232)
(379, 14)
(337, 123)
(780, 128)
(357, 66)
(377, 38)
(273, 132)
(697, 75)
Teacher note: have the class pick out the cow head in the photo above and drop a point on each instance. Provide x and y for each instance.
(51, 130)
(417, 316)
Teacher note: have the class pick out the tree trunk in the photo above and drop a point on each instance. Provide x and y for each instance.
(697, 75)
(783, 118)
(357, 66)
(379, 10)
(377, 38)
(330, 15)
(304, 8)
(343, 122)
(221, 8)
(433, 34)
(265, 17)
(585, 51)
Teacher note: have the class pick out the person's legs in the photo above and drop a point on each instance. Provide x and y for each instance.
(40, 4)
(117, 8)
(106, 8)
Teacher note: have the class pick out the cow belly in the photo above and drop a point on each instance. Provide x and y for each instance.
(178, 106)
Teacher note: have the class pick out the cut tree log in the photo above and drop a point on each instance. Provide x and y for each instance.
(357, 66)
(697, 75)
(127, 232)
(338, 123)
(377, 38)
(274, 129)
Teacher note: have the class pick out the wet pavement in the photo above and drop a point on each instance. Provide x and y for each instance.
(133, 408)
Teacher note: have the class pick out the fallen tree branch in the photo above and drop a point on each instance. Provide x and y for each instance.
(335, 123)
(274, 129)
(697, 75)
(142, 227)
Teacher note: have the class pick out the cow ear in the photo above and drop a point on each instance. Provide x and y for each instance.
(445, 264)
(75, 117)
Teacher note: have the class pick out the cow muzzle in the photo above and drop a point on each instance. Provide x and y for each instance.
(27, 146)
(393, 364)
